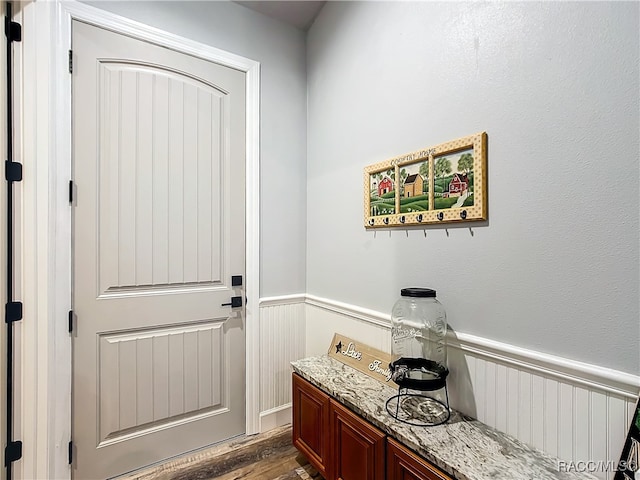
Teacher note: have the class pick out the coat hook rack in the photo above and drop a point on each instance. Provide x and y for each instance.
(442, 184)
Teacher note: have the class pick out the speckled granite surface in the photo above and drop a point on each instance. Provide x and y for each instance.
(463, 447)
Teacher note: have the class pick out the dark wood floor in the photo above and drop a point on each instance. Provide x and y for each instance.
(269, 456)
(284, 465)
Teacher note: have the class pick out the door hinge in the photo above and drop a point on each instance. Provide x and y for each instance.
(12, 452)
(70, 61)
(71, 316)
(13, 312)
(13, 30)
(13, 171)
(70, 452)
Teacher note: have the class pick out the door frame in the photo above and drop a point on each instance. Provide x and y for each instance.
(45, 96)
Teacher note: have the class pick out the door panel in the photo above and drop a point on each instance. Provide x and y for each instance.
(154, 392)
(160, 125)
(158, 231)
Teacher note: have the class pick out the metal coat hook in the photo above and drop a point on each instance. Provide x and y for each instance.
(440, 216)
(463, 214)
(402, 219)
(419, 218)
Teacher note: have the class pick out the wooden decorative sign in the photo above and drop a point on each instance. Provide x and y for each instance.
(363, 358)
(441, 184)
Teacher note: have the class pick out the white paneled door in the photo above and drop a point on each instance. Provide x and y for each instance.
(158, 166)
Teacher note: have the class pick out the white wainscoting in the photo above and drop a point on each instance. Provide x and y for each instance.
(282, 340)
(568, 409)
(572, 410)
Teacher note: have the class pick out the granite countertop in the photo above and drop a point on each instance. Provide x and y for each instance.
(463, 447)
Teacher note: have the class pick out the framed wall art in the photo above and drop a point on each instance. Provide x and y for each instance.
(441, 184)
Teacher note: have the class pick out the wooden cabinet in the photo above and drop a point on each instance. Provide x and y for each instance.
(311, 424)
(403, 464)
(358, 447)
(343, 446)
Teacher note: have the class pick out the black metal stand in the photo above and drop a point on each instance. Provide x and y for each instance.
(419, 409)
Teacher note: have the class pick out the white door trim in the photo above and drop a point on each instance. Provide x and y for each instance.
(47, 221)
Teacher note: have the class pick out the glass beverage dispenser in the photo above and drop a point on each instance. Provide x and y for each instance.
(419, 358)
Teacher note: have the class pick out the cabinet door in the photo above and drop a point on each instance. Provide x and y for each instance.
(358, 447)
(403, 464)
(311, 423)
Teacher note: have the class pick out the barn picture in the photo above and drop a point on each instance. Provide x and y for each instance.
(385, 186)
(459, 185)
(381, 194)
(453, 182)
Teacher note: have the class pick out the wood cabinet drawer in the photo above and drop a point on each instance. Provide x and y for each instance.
(403, 464)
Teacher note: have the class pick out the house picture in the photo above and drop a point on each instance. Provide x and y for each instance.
(413, 185)
(414, 196)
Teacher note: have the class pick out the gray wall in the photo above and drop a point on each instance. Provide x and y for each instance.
(556, 86)
(280, 49)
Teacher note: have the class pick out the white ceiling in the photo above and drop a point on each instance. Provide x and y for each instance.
(300, 14)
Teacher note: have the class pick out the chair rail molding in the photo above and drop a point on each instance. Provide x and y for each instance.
(282, 300)
(370, 316)
(610, 380)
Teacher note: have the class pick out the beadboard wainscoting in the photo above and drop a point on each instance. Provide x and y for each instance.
(575, 411)
(282, 340)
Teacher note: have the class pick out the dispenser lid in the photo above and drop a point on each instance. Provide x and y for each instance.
(417, 292)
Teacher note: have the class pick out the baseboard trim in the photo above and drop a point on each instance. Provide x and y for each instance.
(274, 418)
(593, 376)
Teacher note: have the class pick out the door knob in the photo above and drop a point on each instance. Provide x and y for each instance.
(235, 302)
